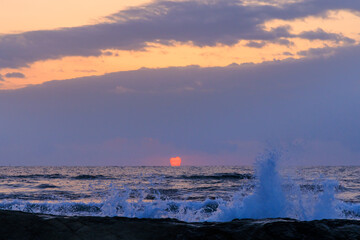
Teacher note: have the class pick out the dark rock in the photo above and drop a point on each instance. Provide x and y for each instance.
(20, 225)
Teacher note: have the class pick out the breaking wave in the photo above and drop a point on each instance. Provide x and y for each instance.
(271, 197)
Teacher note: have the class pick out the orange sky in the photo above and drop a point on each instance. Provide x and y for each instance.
(24, 15)
(21, 16)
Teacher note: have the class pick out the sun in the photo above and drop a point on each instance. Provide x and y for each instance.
(175, 161)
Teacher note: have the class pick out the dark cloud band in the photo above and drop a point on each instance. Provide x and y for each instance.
(202, 23)
(191, 109)
(15, 75)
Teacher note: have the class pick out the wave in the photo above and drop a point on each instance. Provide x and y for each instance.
(318, 187)
(46, 194)
(56, 176)
(271, 197)
(44, 186)
(91, 177)
(34, 176)
(219, 176)
(61, 208)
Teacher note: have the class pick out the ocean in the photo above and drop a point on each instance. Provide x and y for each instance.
(191, 194)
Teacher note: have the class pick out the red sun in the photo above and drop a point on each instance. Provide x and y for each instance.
(175, 161)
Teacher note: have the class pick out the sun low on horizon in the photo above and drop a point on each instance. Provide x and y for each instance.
(132, 82)
(179, 119)
(175, 161)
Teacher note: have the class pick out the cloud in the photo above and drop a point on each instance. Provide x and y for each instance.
(320, 34)
(255, 44)
(203, 23)
(317, 52)
(314, 99)
(107, 53)
(260, 44)
(288, 54)
(15, 75)
(1, 78)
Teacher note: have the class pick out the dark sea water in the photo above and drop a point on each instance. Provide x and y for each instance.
(186, 193)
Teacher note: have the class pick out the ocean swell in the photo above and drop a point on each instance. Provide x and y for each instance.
(270, 196)
(220, 176)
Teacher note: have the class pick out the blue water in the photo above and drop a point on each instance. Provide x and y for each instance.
(186, 193)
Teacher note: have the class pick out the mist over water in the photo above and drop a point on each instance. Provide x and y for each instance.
(185, 193)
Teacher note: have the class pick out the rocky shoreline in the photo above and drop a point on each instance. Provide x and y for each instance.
(20, 225)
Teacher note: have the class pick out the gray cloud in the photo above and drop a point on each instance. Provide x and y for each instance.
(320, 34)
(203, 23)
(254, 44)
(316, 52)
(107, 53)
(260, 44)
(106, 118)
(15, 75)
(1, 78)
(285, 42)
(288, 54)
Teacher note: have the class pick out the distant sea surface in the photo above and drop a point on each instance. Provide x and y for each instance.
(185, 193)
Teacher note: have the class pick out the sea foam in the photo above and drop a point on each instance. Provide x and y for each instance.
(272, 196)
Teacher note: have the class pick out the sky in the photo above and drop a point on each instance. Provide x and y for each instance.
(214, 82)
